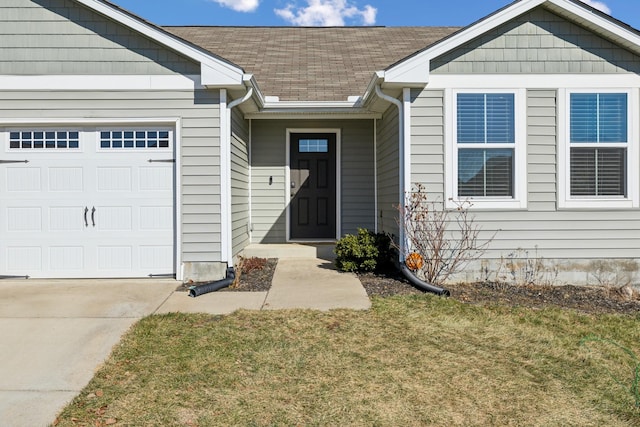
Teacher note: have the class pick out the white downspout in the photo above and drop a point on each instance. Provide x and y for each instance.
(225, 175)
(401, 160)
(375, 174)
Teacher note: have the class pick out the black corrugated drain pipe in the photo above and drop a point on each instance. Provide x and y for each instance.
(421, 284)
(205, 288)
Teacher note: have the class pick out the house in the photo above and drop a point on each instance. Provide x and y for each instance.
(130, 150)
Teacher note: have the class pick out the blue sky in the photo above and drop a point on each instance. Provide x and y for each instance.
(339, 12)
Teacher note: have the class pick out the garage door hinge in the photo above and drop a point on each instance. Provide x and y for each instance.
(13, 161)
(162, 161)
(162, 275)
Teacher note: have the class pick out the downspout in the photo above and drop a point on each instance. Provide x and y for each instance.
(402, 186)
(225, 196)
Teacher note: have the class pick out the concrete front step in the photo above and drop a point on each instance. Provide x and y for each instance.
(291, 250)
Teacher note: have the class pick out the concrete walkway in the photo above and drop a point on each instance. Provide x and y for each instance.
(54, 334)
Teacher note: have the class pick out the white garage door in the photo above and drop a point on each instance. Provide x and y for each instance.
(86, 202)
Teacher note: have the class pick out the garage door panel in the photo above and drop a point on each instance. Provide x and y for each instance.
(24, 219)
(23, 179)
(156, 218)
(67, 259)
(23, 259)
(114, 179)
(112, 218)
(154, 179)
(156, 258)
(114, 258)
(66, 179)
(66, 218)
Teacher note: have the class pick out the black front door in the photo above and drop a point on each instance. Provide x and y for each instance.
(313, 186)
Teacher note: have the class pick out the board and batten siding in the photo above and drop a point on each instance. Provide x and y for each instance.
(239, 181)
(61, 37)
(538, 42)
(200, 144)
(268, 174)
(388, 171)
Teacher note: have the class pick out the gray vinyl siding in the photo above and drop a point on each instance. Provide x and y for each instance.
(542, 229)
(200, 144)
(427, 140)
(239, 181)
(358, 192)
(538, 42)
(62, 37)
(542, 150)
(269, 159)
(388, 170)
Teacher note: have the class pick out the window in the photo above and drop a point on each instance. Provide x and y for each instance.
(485, 151)
(43, 139)
(134, 139)
(313, 146)
(597, 150)
(598, 136)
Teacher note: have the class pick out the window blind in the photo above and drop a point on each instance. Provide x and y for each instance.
(485, 172)
(487, 118)
(598, 171)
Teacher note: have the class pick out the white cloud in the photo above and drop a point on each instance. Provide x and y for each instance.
(601, 6)
(327, 13)
(240, 5)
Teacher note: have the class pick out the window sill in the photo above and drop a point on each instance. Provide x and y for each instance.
(488, 204)
(599, 203)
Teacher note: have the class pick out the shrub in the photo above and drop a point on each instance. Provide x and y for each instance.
(366, 251)
(447, 239)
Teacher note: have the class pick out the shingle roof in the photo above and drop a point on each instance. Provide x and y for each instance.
(312, 63)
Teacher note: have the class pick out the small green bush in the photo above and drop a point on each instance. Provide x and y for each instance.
(366, 251)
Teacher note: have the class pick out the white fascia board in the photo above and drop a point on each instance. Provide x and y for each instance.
(311, 104)
(415, 70)
(607, 25)
(215, 72)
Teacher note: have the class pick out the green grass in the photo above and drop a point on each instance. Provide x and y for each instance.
(419, 360)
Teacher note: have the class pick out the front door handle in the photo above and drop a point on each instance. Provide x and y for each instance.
(86, 210)
(93, 216)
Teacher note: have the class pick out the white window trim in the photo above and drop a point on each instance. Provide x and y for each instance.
(519, 200)
(565, 200)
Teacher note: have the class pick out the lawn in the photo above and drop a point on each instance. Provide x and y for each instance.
(410, 360)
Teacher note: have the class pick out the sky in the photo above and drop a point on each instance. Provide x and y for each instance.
(339, 12)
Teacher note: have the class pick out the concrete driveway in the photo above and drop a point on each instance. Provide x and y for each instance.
(54, 334)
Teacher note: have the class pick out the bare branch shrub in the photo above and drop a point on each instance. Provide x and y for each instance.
(447, 239)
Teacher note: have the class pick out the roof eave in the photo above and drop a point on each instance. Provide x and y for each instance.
(415, 68)
(215, 72)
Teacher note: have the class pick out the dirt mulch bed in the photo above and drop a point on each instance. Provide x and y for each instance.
(254, 280)
(587, 299)
(583, 298)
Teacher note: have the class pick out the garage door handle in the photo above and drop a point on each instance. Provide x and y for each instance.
(86, 210)
(93, 216)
